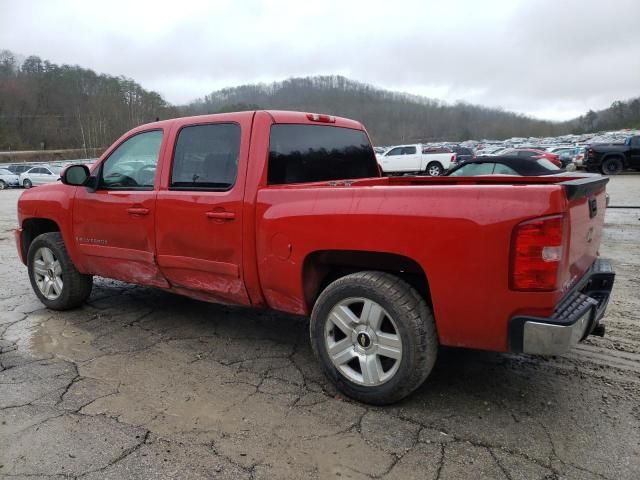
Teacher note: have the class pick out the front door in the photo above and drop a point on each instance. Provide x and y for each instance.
(634, 152)
(199, 223)
(114, 226)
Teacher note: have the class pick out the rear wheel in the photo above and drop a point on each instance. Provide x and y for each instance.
(27, 183)
(434, 169)
(3, 185)
(375, 336)
(53, 276)
(612, 166)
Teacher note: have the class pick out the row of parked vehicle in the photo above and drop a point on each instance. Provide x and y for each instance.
(608, 159)
(435, 161)
(27, 175)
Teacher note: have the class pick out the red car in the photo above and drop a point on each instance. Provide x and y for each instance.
(535, 154)
(288, 211)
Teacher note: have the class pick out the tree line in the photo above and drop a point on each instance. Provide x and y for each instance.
(392, 117)
(44, 105)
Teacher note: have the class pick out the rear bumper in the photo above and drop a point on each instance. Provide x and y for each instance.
(577, 315)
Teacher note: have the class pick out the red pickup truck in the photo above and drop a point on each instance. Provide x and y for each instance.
(288, 211)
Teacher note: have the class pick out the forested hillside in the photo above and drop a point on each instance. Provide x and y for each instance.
(390, 117)
(621, 114)
(65, 106)
(62, 106)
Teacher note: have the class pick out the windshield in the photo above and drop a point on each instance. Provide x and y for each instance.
(548, 164)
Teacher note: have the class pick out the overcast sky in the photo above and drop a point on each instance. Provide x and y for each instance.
(550, 59)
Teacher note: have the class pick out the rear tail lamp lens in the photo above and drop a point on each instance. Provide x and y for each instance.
(536, 254)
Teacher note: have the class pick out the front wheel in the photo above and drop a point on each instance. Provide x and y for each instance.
(54, 278)
(375, 336)
(27, 183)
(612, 166)
(3, 185)
(434, 169)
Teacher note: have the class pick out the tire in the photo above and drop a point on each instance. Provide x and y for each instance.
(73, 287)
(434, 169)
(398, 314)
(3, 185)
(612, 166)
(27, 183)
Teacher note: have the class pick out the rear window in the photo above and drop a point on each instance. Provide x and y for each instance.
(463, 151)
(316, 153)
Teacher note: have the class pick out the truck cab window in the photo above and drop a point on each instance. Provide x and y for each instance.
(132, 165)
(394, 152)
(315, 153)
(409, 151)
(206, 157)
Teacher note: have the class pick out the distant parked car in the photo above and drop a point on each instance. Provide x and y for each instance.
(414, 159)
(8, 179)
(40, 175)
(18, 168)
(568, 154)
(490, 151)
(463, 154)
(505, 165)
(533, 154)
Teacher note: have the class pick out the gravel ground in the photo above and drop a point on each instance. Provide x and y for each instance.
(143, 384)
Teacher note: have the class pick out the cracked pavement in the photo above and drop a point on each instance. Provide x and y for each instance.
(140, 383)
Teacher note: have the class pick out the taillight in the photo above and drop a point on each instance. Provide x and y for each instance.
(318, 117)
(453, 159)
(536, 254)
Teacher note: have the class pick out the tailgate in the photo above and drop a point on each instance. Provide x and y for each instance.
(587, 206)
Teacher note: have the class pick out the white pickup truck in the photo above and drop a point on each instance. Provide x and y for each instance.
(414, 158)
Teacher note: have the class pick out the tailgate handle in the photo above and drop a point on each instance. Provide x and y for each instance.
(221, 215)
(593, 207)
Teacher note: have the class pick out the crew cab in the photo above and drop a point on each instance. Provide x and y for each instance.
(611, 159)
(288, 211)
(404, 159)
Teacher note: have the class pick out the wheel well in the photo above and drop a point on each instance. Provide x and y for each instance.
(611, 156)
(33, 227)
(324, 267)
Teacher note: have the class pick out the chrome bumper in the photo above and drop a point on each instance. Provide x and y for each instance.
(551, 339)
(576, 316)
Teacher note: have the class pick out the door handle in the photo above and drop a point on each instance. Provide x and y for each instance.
(138, 211)
(221, 215)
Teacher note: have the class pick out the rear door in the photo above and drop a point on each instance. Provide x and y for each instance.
(411, 158)
(114, 226)
(199, 224)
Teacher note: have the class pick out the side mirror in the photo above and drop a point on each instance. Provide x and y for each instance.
(75, 175)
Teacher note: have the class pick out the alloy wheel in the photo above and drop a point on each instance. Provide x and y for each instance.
(48, 273)
(363, 341)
